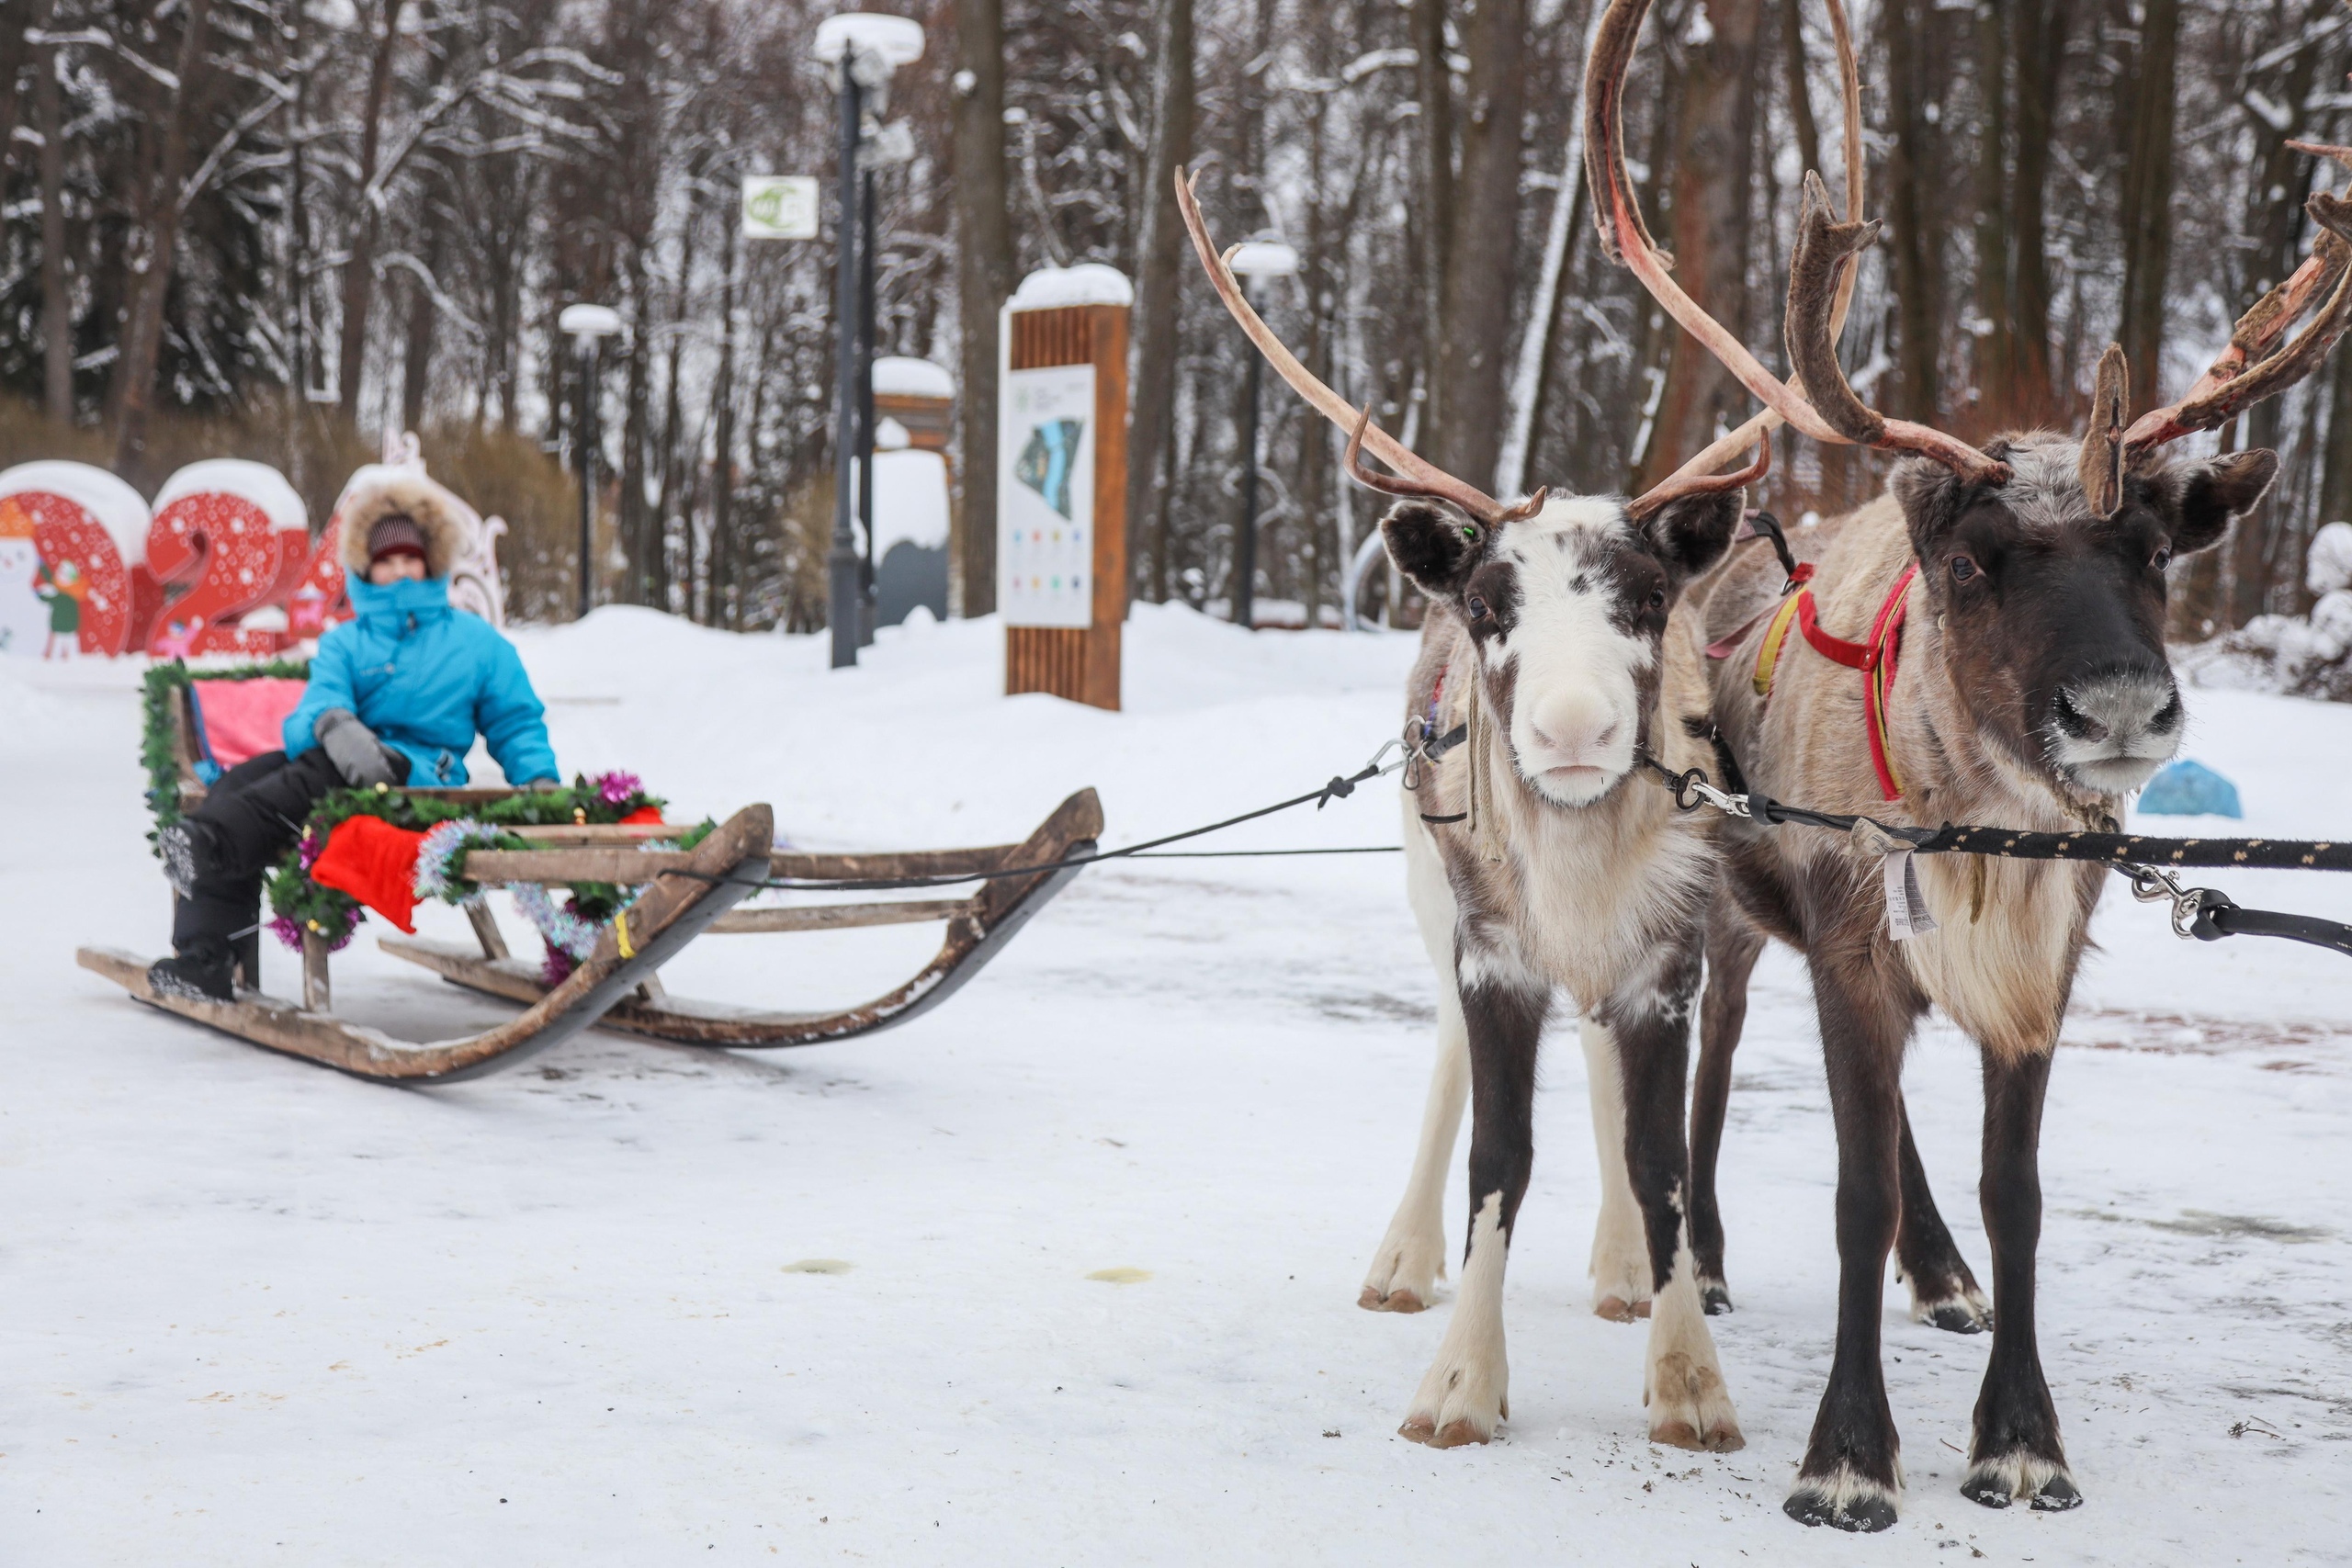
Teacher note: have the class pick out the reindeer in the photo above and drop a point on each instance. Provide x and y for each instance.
(1535, 866)
(2018, 591)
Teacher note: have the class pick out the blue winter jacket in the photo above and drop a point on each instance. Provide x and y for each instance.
(424, 678)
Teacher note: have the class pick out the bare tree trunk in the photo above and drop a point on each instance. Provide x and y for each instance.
(1917, 275)
(1158, 254)
(718, 611)
(359, 269)
(1708, 221)
(1482, 259)
(2039, 31)
(2147, 200)
(983, 276)
(417, 359)
(56, 304)
(1995, 336)
(676, 482)
(640, 533)
(143, 343)
(1433, 84)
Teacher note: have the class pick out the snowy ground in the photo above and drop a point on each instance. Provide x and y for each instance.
(255, 1312)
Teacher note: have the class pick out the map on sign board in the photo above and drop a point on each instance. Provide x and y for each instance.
(1044, 548)
(779, 206)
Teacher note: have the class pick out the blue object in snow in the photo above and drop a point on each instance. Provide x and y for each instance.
(2190, 789)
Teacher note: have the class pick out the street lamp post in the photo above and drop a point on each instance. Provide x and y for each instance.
(1263, 256)
(588, 326)
(863, 50)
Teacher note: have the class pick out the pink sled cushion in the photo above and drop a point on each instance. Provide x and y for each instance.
(241, 719)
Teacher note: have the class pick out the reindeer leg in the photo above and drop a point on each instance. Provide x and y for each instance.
(2014, 1454)
(1649, 1027)
(1411, 1257)
(1620, 1260)
(1852, 1474)
(1943, 1292)
(1466, 1389)
(1733, 945)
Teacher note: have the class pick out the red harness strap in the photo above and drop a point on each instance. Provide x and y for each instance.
(1876, 657)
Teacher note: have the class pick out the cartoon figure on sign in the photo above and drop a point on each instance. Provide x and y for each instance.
(1045, 464)
(64, 587)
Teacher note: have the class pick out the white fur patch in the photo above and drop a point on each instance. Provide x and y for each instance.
(1682, 1380)
(1411, 1256)
(1466, 1389)
(1575, 712)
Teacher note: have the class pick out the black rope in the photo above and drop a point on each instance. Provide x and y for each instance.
(2201, 912)
(1338, 788)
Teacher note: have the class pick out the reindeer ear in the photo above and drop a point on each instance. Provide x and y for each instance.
(1433, 544)
(2214, 493)
(1690, 534)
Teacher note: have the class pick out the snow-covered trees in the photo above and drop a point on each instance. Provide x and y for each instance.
(326, 216)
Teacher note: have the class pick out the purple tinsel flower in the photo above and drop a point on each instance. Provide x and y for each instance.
(288, 929)
(313, 847)
(619, 788)
(558, 967)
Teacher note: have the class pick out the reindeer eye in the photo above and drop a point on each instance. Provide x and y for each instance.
(2160, 560)
(1477, 608)
(1657, 598)
(1962, 569)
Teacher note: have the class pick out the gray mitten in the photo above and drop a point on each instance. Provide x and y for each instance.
(352, 748)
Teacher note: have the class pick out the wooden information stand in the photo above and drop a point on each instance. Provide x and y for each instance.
(1080, 664)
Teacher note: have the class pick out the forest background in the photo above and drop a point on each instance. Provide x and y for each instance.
(275, 228)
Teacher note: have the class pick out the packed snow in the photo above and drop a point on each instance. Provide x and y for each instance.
(1066, 1270)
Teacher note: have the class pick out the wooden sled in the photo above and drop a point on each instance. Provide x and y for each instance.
(689, 893)
(979, 927)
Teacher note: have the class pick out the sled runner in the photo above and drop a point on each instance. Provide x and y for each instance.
(687, 892)
(979, 927)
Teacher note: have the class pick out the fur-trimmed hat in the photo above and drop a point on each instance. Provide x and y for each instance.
(380, 491)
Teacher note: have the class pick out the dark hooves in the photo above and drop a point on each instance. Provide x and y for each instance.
(1865, 1514)
(2056, 1497)
(2057, 1494)
(1957, 1317)
(1714, 1297)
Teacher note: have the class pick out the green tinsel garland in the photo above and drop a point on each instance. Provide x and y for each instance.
(163, 684)
(295, 898)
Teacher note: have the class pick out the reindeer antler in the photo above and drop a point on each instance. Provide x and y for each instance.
(1419, 475)
(1818, 400)
(2255, 365)
(2101, 467)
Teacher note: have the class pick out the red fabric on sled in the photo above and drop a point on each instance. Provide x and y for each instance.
(241, 719)
(644, 814)
(376, 864)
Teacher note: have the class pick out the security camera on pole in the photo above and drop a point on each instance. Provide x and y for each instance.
(588, 326)
(863, 50)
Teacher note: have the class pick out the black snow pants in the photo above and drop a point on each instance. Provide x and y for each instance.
(250, 819)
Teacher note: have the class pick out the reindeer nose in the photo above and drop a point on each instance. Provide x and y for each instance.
(2124, 705)
(1580, 729)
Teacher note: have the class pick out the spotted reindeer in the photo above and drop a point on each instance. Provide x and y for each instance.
(1536, 869)
(1983, 644)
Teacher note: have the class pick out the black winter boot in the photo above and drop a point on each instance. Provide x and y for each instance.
(201, 969)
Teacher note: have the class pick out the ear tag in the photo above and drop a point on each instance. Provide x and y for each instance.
(1470, 535)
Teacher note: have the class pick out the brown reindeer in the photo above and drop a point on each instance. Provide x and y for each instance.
(1537, 864)
(2003, 609)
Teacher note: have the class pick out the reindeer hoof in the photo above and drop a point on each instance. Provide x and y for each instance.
(1998, 1482)
(1401, 1299)
(1714, 1296)
(1843, 1501)
(1617, 1309)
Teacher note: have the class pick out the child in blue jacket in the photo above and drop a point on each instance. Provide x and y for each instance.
(395, 697)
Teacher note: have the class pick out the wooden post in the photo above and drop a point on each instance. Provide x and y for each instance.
(1080, 664)
(486, 931)
(316, 996)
